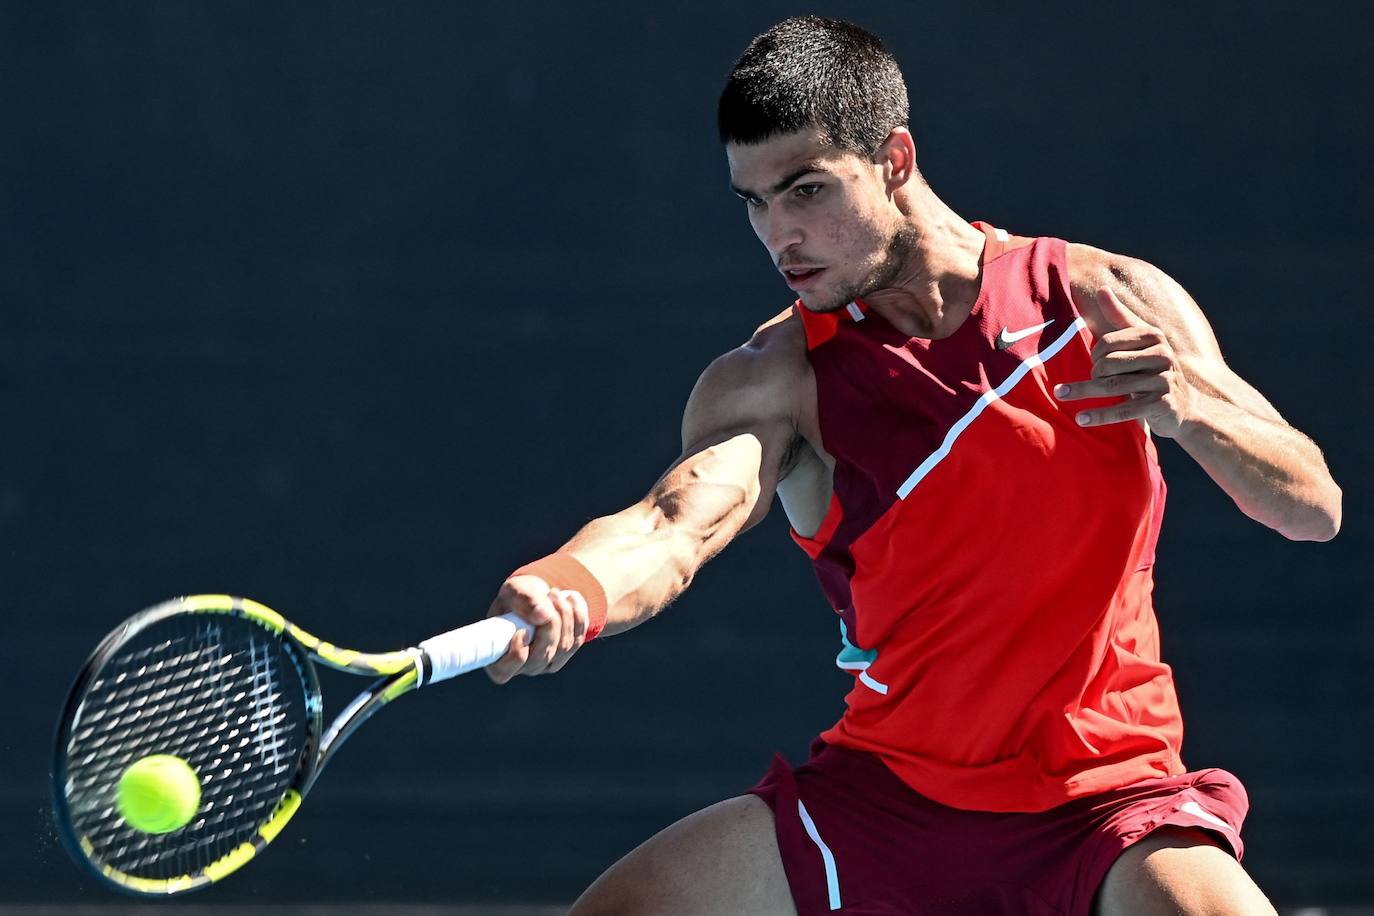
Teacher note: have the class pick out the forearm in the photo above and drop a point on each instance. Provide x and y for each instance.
(1274, 473)
(642, 564)
(646, 555)
(1155, 347)
(620, 570)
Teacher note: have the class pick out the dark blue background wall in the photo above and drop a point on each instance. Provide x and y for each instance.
(354, 307)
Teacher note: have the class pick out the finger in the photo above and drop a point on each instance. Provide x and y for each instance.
(582, 617)
(577, 631)
(1134, 383)
(546, 637)
(509, 665)
(1128, 339)
(1134, 409)
(521, 594)
(1155, 359)
(560, 660)
(1115, 311)
(562, 603)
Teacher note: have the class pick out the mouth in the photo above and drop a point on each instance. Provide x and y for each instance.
(799, 278)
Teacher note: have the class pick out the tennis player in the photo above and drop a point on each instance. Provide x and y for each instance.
(958, 422)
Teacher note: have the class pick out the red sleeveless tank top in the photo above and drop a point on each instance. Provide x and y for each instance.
(990, 560)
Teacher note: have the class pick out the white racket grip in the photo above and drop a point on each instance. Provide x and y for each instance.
(473, 646)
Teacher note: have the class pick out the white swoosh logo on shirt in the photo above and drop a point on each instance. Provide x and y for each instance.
(1007, 338)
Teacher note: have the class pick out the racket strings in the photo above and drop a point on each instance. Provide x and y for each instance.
(220, 693)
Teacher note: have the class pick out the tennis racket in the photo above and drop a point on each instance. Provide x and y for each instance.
(228, 685)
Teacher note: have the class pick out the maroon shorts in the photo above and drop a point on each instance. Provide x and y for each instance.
(856, 839)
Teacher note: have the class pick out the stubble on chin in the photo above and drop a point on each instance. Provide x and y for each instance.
(829, 304)
(884, 274)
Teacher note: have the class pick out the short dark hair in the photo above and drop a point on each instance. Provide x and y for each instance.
(811, 72)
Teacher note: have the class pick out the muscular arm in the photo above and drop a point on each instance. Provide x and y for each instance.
(1155, 345)
(737, 434)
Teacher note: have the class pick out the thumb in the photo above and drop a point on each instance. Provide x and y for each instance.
(528, 600)
(1114, 311)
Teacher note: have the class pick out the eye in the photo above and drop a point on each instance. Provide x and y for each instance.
(808, 190)
(753, 203)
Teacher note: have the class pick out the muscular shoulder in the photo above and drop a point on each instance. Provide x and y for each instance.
(769, 363)
(1143, 288)
(756, 383)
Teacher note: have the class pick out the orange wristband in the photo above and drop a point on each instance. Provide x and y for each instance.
(562, 570)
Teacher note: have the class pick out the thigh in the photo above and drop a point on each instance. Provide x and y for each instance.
(1176, 870)
(722, 859)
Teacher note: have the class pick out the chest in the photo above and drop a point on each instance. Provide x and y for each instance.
(890, 407)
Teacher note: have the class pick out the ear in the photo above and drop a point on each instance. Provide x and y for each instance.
(897, 159)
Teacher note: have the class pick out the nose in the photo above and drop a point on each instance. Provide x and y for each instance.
(778, 233)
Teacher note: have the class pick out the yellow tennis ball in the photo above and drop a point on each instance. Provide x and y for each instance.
(158, 794)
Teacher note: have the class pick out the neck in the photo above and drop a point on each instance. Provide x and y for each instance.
(936, 287)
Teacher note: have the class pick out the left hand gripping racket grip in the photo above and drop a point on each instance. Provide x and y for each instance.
(473, 646)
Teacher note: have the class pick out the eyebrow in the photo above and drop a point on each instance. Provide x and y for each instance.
(786, 182)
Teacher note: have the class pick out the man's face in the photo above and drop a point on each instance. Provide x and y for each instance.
(824, 214)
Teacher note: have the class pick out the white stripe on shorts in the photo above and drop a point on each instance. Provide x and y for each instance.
(1196, 810)
(832, 878)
